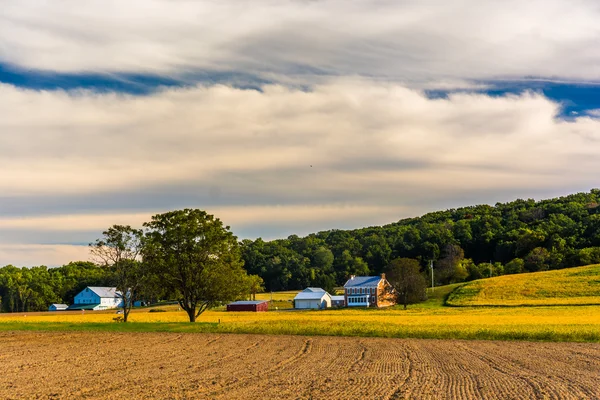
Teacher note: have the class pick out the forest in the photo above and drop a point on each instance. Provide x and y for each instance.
(463, 244)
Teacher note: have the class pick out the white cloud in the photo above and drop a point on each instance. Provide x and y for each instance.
(291, 40)
(346, 153)
(358, 136)
(50, 255)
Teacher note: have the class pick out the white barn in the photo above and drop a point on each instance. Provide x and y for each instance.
(312, 298)
(58, 307)
(97, 298)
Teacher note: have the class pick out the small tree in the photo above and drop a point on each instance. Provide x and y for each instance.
(409, 284)
(196, 258)
(256, 285)
(120, 249)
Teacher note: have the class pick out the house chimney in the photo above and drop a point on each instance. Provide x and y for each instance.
(383, 276)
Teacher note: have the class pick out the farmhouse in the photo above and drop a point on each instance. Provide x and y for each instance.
(97, 298)
(254, 305)
(315, 298)
(368, 291)
(57, 307)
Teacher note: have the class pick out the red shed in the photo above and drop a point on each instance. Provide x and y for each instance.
(259, 305)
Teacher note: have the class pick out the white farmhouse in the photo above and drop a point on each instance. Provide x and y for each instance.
(315, 298)
(57, 307)
(97, 298)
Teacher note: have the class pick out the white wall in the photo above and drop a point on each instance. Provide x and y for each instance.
(323, 302)
(87, 296)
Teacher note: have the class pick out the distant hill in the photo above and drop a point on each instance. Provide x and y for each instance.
(465, 244)
(572, 286)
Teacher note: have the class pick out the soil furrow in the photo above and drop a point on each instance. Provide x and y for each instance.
(103, 365)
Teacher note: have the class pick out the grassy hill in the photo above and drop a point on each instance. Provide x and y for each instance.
(573, 286)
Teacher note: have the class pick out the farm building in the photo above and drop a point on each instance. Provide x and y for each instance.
(312, 298)
(57, 307)
(368, 291)
(338, 301)
(251, 305)
(97, 298)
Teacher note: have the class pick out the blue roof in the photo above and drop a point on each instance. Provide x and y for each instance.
(363, 281)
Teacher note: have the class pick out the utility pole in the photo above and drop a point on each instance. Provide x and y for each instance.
(431, 266)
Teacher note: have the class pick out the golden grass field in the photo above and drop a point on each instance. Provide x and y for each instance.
(277, 296)
(426, 320)
(572, 286)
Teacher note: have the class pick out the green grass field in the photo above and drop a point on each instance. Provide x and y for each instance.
(572, 286)
(430, 319)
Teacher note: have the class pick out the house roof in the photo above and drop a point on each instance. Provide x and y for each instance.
(363, 281)
(59, 305)
(311, 295)
(104, 292)
(313, 289)
(247, 302)
(337, 298)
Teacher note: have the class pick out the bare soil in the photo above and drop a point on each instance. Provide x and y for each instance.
(104, 365)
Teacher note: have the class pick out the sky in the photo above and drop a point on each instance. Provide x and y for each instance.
(286, 117)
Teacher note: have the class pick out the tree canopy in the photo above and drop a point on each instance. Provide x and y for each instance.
(405, 277)
(197, 259)
(120, 249)
(464, 244)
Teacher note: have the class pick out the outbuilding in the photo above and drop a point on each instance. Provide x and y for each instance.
(312, 298)
(250, 305)
(58, 307)
(97, 298)
(338, 301)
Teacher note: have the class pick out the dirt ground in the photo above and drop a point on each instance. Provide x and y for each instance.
(189, 366)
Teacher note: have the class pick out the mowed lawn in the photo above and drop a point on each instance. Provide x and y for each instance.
(572, 286)
(426, 320)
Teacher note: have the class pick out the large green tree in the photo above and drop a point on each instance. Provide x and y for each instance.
(196, 258)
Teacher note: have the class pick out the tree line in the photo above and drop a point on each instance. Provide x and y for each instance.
(463, 244)
(186, 255)
(189, 256)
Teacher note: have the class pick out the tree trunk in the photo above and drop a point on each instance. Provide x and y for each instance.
(126, 310)
(192, 314)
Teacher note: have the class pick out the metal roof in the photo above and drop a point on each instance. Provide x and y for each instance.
(313, 289)
(311, 295)
(247, 302)
(363, 281)
(338, 298)
(59, 305)
(105, 292)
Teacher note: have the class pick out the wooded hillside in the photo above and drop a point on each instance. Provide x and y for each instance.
(465, 244)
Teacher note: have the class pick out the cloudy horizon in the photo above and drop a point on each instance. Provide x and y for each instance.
(286, 117)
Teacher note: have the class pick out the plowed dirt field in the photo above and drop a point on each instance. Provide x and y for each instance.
(189, 366)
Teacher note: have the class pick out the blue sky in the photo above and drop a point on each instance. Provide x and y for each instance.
(286, 117)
